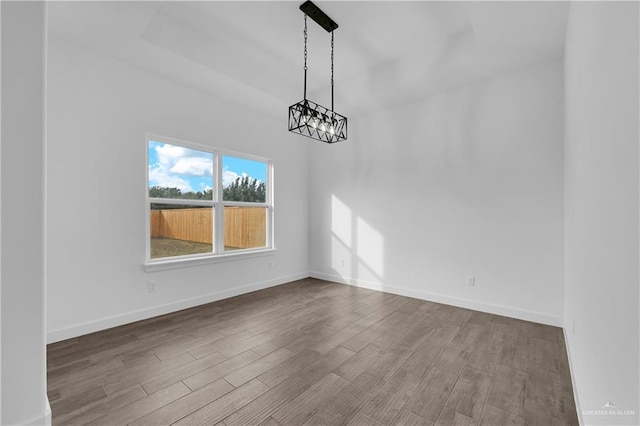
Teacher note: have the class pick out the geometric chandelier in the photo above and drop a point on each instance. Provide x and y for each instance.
(307, 117)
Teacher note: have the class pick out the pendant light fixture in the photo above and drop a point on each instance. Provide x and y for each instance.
(309, 118)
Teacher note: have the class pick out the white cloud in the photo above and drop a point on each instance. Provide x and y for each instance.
(228, 177)
(168, 154)
(159, 177)
(176, 164)
(195, 166)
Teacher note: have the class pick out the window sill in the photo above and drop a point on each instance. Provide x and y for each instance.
(162, 265)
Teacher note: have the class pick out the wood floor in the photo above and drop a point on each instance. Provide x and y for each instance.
(315, 353)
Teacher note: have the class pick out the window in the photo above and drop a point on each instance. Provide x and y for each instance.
(244, 197)
(204, 202)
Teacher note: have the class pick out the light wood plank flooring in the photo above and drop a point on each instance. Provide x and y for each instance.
(313, 352)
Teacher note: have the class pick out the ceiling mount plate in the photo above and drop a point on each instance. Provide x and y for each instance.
(321, 18)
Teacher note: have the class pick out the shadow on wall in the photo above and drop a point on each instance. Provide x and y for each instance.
(357, 249)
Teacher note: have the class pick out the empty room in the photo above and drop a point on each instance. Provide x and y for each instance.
(319, 213)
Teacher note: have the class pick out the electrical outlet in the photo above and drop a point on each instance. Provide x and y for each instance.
(270, 265)
(471, 281)
(151, 286)
(342, 263)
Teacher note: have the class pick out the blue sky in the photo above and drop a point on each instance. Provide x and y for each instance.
(191, 170)
(232, 167)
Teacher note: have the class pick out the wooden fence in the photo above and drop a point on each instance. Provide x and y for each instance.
(244, 227)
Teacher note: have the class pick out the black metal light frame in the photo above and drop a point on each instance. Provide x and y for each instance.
(317, 122)
(307, 117)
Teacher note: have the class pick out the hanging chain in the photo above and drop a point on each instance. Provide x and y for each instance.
(305, 62)
(332, 71)
(305, 42)
(331, 58)
(305, 56)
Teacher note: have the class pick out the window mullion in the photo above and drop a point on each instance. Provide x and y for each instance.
(270, 214)
(243, 204)
(269, 219)
(219, 209)
(181, 201)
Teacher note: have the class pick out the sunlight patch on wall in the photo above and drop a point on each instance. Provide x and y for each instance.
(357, 248)
(341, 221)
(370, 250)
(341, 252)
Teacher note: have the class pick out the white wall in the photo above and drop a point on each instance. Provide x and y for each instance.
(24, 399)
(99, 110)
(466, 182)
(601, 218)
(0, 219)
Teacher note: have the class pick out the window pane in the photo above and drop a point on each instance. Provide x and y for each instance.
(245, 227)
(243, 180)
(178, 172)
(179, 230)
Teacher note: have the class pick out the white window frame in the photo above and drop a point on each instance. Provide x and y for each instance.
(218, 253)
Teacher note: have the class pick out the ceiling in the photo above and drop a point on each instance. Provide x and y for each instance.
(386, 53)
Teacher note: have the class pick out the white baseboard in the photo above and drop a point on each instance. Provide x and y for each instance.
(129, 317)
(440, 298)
(43, 419)
(576, 397)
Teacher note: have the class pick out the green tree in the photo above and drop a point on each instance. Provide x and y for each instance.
(165, 192)
(245, 189)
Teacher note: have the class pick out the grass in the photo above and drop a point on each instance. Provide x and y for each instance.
(168, 247)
